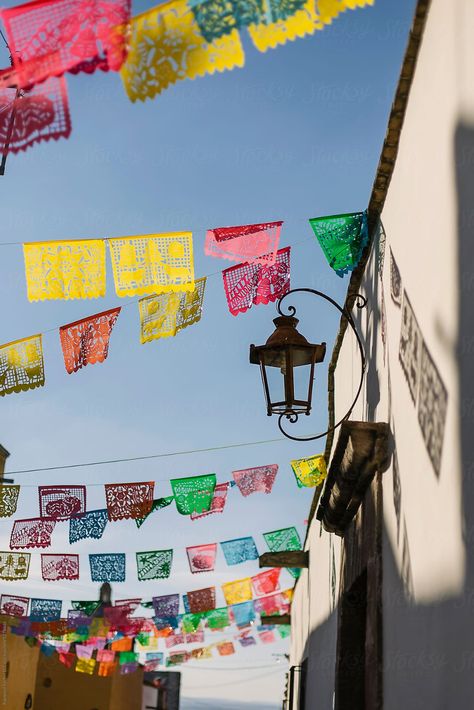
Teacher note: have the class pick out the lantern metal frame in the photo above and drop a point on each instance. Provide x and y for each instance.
(292, 415)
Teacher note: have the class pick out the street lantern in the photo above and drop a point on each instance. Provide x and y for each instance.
(288, 353)
(286, 349)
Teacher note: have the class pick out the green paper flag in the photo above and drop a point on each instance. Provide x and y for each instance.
(154, 565)
(342, 238)
(218, 618)
(284, 540)
(284, 630)
(87, 607)
(156, 505)
(193, 494)
(190, 622)
(128, 657)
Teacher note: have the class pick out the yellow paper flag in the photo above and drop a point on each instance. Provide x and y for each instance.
(85, 665)
(238, 591)
(74, 269)
(166, 46)
(164, 315)
(153, 263)
(21, 365)
(309, 472)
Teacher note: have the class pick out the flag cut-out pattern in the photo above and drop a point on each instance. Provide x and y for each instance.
(33, 532)
(14, 565)
(202, 558)
(202, 600)
(129, 500)
(309, 472)
(154, 565)
(56, 567)
(86, 341)
(50, 37)
(21, 365)
(153, 263)
(252, 284)
(166, 46)
(13, 605)
(40, 113)
(238, 591)
(45, 610)
(251, 243)
(166, 606)
(342, 238)
(8, 500)
(156, 505)
(266, 582)
(65, 269)
(193, 494)
(259, 479)
(166, 314)
(89, 525)
(241, 550)
(61, 502)
(107, 567)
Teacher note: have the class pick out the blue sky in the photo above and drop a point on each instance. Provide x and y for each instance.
(294, 134)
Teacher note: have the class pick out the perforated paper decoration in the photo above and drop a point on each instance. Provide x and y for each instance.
(342, 238)
(278, 603)
(13, 605)
(154, 565)
(85, 665)
(166, 46)
(33, 532)
(190, 622)
(56, 567)
(256, 480)
(8, 500)
(61, 502)
(267, 636)
(166, 606)
(202, 558)
(156, 505)
(84, 651)
(166, 314)
(238, 591)
(202, 600)
(86, 341)
(21, 365)
(196, 636)
(88, 525)
(201, 654)
(153, 263)
(153, 661)
(226, 648)
(37, 114)
(129, 500)
(218, 618)
(240, 550)
(65, 269)
(284, 630)
(174, 640)
(247, 641)
(176, 658)
(266, 582)
(194, 493)
(106, 669)
(286, 539)
(252, 284)
(50, 37)
(243, 613)
(217, 504)
(88, 607)
(251, 243)
(107, 567)
(309, 472)
(45, 609)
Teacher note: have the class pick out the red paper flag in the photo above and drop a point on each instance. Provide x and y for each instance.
(56, 567)
(14, 606)
(250, 243)
(266, 582)
(61, 502)
(49, 37)
(250, 284)
(86, 341)
(129, 500)
(218, 502)
(202, 600)
(34, 115)
(33, 532)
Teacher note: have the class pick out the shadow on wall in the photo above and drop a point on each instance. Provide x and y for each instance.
(428, 655)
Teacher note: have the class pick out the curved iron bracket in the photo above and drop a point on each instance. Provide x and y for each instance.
(360, 302)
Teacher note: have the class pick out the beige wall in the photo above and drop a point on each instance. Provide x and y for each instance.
(21, 675)
(68, 689)
(428, 560)
(127, 691)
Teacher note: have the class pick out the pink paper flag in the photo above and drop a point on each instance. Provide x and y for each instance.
(256, 480)
(251, 284)
(56, 567)
(266, 582)
(33, 532)
(251, 243)
(202, 558)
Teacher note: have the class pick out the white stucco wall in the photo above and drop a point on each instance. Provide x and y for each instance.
(428, 556)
